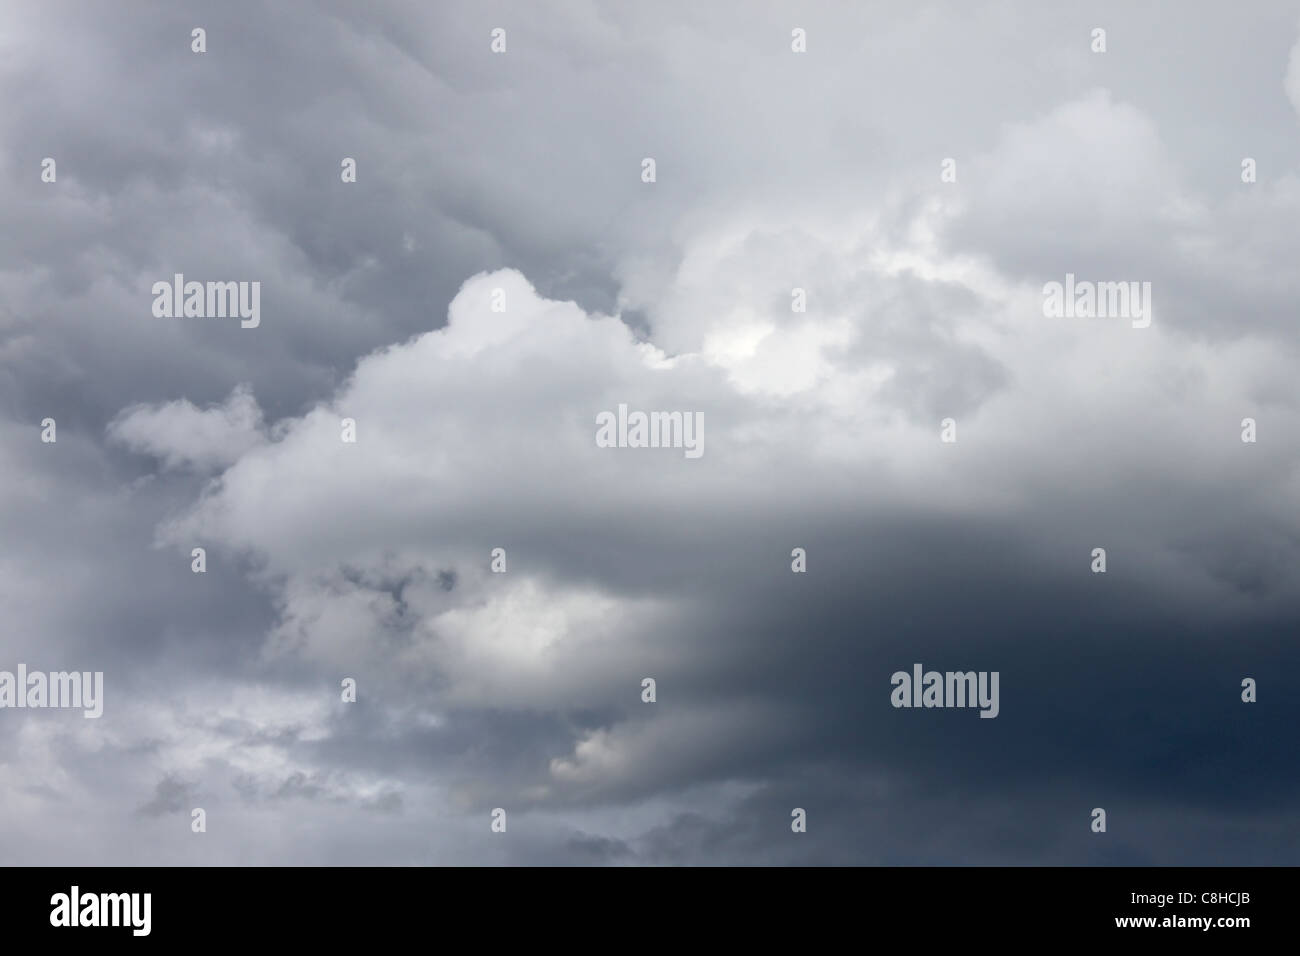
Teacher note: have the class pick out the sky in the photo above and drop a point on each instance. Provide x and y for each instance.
(499, 274)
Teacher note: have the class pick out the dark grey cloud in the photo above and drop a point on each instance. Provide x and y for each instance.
(171, 795)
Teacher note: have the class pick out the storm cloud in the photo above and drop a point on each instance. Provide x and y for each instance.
(497, 277)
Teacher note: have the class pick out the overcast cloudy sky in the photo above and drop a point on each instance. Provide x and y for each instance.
(522, 171)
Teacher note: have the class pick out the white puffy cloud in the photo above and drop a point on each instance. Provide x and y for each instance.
(182, 435)
(481, 434)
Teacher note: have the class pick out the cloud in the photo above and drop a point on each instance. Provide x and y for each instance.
(475, 431)
(171, 795)
(182, 435)
(479, 433)
(1291, 83)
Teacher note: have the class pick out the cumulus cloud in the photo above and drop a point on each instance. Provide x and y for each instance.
(182, 435)
(488, 423)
